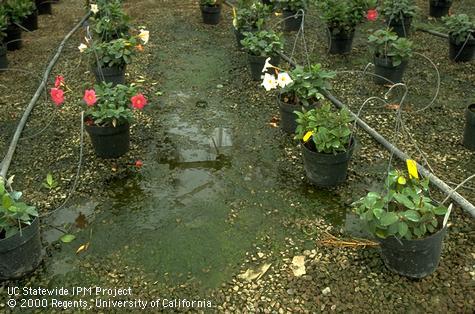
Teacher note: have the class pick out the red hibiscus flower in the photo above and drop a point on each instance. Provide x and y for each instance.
(59, 81)
(139, 163)
(57, 95)
(372, 15)
(138, 101)
(90, 97)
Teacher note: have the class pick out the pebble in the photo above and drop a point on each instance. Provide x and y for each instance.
(326, 291)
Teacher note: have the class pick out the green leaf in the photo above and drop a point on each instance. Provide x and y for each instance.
(412, 215)
(67, 238)
(388, 218)
(440, 210)
(49, 179)
(402, 228)
(404, 200)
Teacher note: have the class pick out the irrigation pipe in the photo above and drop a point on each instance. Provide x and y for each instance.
(459, 199)
(428, 31)
(21, 125)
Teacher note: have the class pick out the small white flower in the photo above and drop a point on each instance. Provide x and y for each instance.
(94, 8)
(269, 82)
(267, 65)
(82, 47)
(283, 79)
(144, 36)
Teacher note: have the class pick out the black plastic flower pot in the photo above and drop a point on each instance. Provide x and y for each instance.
(31, 21)
(114, 75)
(3, 57)
(44, 7)
(13, 38)
(469, 132)
(384, 68)
(287, 116)
(211, 15)
(326, 170)
(439, 8)
(21, 253)
(256, 64)
(463, 52)
(109, 141)
(401, 27)
(341, 43)
(292, 22)
(416, 258)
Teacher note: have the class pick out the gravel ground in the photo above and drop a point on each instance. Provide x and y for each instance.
(296, 217)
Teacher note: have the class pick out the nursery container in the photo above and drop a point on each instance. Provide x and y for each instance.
(3, 57)
(439, 8)
(413, 258)
(114, 75)
(401, 27)
(31, 21)
(13, 38)
(469, 132)
(21, 253)
(109, 141)
(256, 64)
(341, 42)
(211, 15)
(384, 67)
(44, 7)
(463, 52)
(323, 169)
(292, 22)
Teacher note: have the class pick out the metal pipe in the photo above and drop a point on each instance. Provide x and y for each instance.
(11, 149)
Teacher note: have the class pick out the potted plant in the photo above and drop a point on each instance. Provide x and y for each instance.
(342, 17)
(469, 131)
(3, 46)
(439, 8)
(300, 88)
(461, 31)
(20, 243)
(291, 15)
(406, 222)
(210, 11)
(44, 7)
(398, 15)
(30, 22)
(391, 54)
(302, 92)
(260, 46)
(108, 115)
(249, 16)
(109, 20)
(327, 143)
(110, 58)
(16, 11)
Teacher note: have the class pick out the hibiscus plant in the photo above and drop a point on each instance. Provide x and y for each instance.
(250, 15)
(398, 10)
(460, 27)
(342, 16)
(263, 43)
(17, 10)
(308, 82)
(115, 53)
(107, 105)
(109, 20)
(328, 128)
(403, 209)
(386, 44)
(210, 3)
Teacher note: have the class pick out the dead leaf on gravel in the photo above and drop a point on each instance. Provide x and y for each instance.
(393, 106)
(298, 265)
(254, 274)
